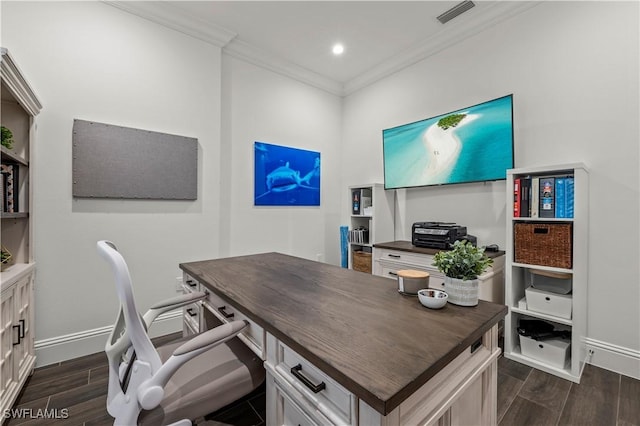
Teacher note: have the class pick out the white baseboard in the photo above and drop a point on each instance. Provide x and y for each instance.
(614, 358)
(69, 346)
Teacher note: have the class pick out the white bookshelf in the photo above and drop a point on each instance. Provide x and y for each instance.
(516, 273)
(379, 219)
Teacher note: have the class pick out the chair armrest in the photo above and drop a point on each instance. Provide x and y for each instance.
(171, 304)
(151, 392)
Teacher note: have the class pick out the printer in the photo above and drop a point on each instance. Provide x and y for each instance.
(439, 235)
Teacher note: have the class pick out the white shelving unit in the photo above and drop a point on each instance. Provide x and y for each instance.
(17, 353)
(379, 218)
(516, 274)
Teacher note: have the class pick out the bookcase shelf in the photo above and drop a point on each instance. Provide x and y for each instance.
(18, 215)
(17, 352)
(518, 274)
(379, 222)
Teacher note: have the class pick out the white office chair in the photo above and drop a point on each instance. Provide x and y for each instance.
(179, 382)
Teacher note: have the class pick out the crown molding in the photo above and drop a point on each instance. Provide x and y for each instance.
(249, 53)
(465, 26)
(165, 14)
(15, 82)
(449, 36)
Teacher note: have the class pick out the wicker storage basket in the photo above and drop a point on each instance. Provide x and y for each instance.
(362, 261)
(544, 244)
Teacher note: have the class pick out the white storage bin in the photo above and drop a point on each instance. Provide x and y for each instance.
(554, 352)
(558, 305)
(551, 281)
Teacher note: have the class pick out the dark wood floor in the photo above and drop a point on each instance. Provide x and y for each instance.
(525, 397)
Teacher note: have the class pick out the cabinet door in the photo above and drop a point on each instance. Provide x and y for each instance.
(23, 299)
(283, 409)
(8, 336)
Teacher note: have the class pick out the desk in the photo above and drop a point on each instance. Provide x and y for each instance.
(383, 357)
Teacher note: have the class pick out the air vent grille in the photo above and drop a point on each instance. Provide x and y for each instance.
(456, 10)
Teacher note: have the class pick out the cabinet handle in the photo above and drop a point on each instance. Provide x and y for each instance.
(296, 370)
(224, 313)
(393, 274)
(20, 328)
(191, 313)
(395, 256)
(191, 283)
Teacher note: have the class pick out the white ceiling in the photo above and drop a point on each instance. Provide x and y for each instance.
(295, 37)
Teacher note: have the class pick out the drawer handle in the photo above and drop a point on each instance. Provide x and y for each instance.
(20, 328)
(393, 274)
(395, 256)
(224, 313)
(191, 283)
(297, 372)
(191, 313)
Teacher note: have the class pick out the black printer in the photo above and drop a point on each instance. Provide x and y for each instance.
(439, 235)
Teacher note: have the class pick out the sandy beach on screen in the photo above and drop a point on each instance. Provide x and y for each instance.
(443, 147)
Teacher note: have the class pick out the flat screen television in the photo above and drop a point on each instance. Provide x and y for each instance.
(471, 144)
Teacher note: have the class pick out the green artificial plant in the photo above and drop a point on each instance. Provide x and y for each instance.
(6, 137)
(464, 261)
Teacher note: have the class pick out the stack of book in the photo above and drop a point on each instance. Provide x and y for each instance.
(543, 196)
(9, 188)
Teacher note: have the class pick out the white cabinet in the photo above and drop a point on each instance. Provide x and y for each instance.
(19, 107)
(17, 355)
(566, 312)
(371, 210)
(462, 393)
(391, 257)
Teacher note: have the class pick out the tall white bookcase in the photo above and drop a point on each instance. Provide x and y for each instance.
(516, 274)
(17, 353)
(378, 218)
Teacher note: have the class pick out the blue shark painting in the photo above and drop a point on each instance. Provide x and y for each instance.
(285, 176)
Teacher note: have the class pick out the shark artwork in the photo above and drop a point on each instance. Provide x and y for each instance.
(278, 179)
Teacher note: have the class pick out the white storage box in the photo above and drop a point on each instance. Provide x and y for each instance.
(551, 281)
(554, 351)
(558, 305)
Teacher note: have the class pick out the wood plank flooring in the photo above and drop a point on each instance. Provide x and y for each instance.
(525, 397)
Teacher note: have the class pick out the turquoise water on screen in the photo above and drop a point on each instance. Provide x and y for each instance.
(486, 148)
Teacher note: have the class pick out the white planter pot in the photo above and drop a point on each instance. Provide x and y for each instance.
(462, 292)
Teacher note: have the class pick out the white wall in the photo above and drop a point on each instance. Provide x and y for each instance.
(572, 67)
(573, 70)
(263, 106)
(91, 61)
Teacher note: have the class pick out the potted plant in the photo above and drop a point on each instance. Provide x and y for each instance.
(461, 266)
(6, 137)
(5, 258)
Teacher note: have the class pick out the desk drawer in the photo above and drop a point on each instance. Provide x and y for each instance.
(190, 284)
(404, 258)
(315, 387)
(436, 280)
(253, 335)
(284, 406)
(191, 317)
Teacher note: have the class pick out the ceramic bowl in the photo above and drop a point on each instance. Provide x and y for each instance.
(434, 299)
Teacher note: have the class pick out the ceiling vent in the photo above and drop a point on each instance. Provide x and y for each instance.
(456, 10)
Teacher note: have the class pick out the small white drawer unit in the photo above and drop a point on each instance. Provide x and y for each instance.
(387, 262)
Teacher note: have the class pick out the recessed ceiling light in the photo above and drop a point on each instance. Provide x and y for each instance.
(338, 49)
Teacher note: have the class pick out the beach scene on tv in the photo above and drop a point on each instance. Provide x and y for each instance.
(469, 145)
